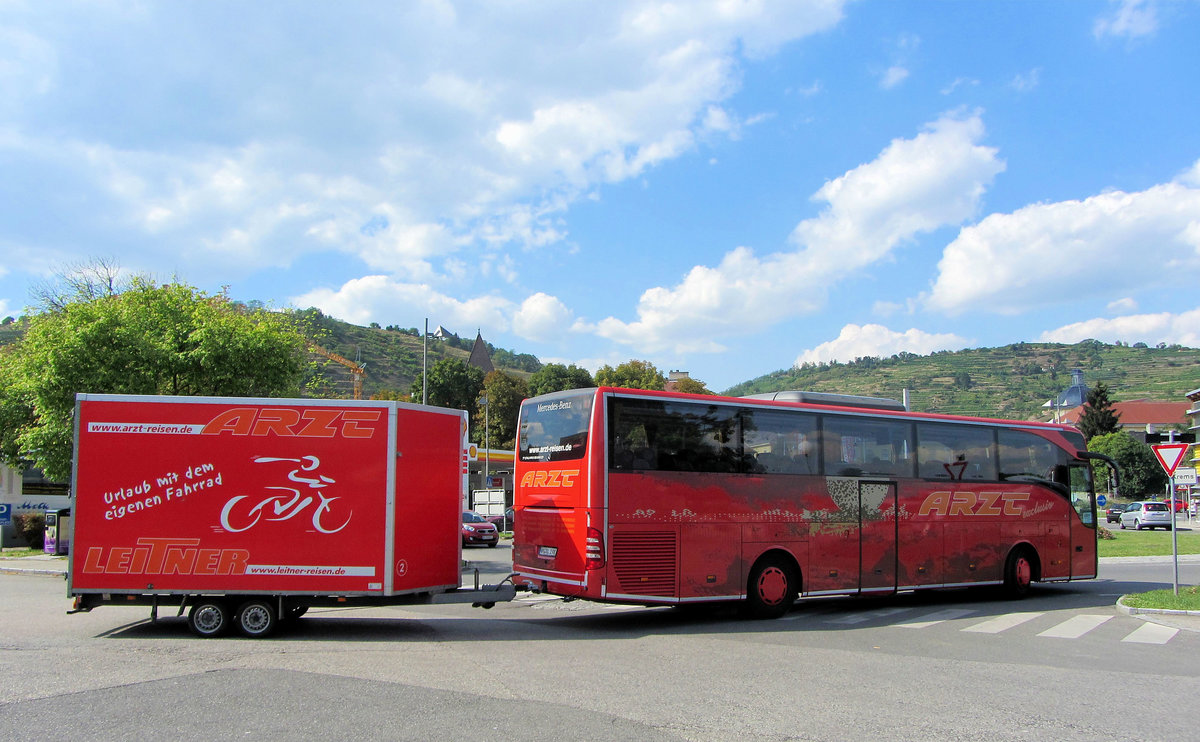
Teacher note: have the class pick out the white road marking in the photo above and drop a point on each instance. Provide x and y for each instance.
(857, 618)
(1002, 623)
(1152, 633)
(924, 622)
(1075, 627)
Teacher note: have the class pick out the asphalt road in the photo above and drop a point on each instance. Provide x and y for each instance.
(956, 665)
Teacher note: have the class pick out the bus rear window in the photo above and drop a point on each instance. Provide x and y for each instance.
(554, 428)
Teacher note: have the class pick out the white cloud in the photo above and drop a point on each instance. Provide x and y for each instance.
(1128, 18)
(959, 82)
(1164, 327)
(914, 186)
(862, 341)
(540, 317)
(1026, 82)
(1190, 176)
(28, 64)
(1044, 253)
(1122, 306)
(893, 76)
(380, 299)
(447, 120)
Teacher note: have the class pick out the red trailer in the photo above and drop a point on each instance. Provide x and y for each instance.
(246, 512)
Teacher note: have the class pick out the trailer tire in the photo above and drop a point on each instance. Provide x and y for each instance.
(257, 618)
(209, 618)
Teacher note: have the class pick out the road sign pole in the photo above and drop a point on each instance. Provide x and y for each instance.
(1169, 455)
(1174, 535)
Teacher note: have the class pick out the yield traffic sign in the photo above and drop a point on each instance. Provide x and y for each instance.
(1169, 455)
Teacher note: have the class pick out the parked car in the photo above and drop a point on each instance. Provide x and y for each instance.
(477, 530)
(1113, 513)
(1141, 515)
(503, 522)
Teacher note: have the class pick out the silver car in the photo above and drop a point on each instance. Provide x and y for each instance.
(1141, 515)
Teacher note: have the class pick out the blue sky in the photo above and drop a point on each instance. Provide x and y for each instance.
(725, 187)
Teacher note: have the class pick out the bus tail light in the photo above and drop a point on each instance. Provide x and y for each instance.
(595, 549)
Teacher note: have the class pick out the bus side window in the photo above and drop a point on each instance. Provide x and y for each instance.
(856, 447)
(780, 442)
(956, 452)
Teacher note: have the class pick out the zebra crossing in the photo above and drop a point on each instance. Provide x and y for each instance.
(1074, 626)
(1051, 625)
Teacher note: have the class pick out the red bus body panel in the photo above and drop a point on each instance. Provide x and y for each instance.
(673, 537)
(186, 495)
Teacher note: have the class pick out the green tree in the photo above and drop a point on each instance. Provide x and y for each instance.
(632, 375)
(1141, 474)
(1098, 417)
(497, 420)
(555, 377)
(691, 386)
(143, 339)
(452, 383)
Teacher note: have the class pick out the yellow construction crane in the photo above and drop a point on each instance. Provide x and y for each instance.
(357, 370)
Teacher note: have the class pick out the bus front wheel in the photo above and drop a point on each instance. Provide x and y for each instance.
(772, 588)
(1018, 572)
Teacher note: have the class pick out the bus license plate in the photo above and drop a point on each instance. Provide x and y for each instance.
(547, 552)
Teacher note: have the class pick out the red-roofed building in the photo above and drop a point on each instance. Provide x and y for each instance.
(1136, 414)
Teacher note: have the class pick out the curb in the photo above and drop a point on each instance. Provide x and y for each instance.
(10, 570)
(1131, 611)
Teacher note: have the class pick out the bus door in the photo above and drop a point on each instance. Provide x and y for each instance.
(877, 536)
(1083, 523)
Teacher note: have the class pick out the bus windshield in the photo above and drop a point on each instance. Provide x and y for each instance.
(555, 428)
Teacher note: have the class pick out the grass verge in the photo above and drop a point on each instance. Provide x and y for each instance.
(18, 551)
(1188, 599)
(1114, 542)
(1147, 543)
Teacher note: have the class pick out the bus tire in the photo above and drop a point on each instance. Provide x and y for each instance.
(209, 617)
(1019, 572)
(257, 618)
(772, 588)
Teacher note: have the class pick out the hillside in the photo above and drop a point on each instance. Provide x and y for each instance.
(392, 356)
(1011, 382)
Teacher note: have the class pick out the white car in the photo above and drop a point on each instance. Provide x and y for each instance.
(1141, 515)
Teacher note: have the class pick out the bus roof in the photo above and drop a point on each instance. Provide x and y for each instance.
(835, 403)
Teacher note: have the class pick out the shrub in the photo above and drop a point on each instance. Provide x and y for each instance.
(32, 528)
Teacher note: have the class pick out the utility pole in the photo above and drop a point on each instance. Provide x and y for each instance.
(425, 364)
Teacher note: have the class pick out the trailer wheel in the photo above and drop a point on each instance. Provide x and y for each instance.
(208, 618)
(257, 618)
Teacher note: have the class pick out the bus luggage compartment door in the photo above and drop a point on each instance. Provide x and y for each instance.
(877, 533)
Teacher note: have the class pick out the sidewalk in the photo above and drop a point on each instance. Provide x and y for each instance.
(38, 564)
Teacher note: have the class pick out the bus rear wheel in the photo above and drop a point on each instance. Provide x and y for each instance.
(1018, 573)
(772, 588)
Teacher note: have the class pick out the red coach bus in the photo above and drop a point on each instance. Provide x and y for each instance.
(660, 498)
